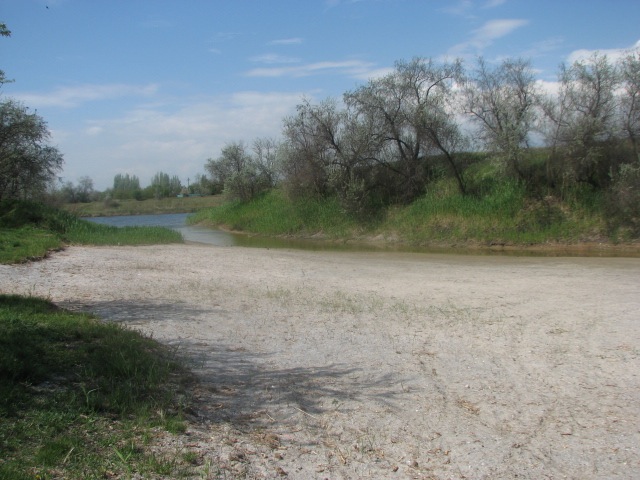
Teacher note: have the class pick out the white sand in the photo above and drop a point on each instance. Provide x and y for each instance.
(376, 365)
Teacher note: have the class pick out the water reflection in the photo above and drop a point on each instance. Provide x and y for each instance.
(174, 221)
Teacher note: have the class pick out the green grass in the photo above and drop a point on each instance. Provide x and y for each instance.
(273, 214)
(30, 230)
(506, 215)
(500, 212)
(80, 398)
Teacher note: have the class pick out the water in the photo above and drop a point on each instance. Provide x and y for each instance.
(174, 221)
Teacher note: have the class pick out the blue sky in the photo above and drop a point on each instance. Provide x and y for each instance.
(142, 86)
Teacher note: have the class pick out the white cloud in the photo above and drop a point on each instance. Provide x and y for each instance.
(546, 87)
(177, 141)
(273, 58)
(614, 54)
(462, 7)
(68, 97)
(353, 68)
(487, 35)
(286, 41)
(494, 3)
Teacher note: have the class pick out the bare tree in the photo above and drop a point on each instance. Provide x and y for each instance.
(265, 152)
(311, 146)
(406, 112)
(584, 119)
(501, 101)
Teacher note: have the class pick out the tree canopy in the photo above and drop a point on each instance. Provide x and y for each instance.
(27, 163)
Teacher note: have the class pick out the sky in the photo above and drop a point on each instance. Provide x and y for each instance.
(145, 86)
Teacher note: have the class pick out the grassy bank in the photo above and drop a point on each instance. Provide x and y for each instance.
(30, 230)
(503, 215)
(272, 214)
(80, 398)
(143, 207)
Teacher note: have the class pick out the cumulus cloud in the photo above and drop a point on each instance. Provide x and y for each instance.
(68, 97)
(614, 54)
(176, 140)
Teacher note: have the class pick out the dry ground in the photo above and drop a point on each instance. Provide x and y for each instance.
(377, 365)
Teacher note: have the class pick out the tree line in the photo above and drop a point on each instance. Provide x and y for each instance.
(386, 141)
(127, 187)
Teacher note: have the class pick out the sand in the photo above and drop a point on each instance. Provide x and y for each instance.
(379, 365)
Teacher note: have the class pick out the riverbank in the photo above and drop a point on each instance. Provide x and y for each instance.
(506, 221)
(342, 364)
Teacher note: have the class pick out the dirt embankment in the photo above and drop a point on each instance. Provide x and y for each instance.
(379, 365)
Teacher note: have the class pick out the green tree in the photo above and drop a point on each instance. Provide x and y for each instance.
(126, 187)
(238, 172)
(630, 70)
(162, 185)
(27, 163)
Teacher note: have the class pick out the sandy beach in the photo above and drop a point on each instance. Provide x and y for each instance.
(379, 365)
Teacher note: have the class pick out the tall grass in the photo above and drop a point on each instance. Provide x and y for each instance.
(273, 214)
(498, 212)
(76, 393)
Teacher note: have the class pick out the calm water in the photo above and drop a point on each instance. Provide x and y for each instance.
(175, 221)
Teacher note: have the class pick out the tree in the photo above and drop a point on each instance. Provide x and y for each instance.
(410, 119)
(265, 152)
(630, 71)
(4, 32)
(84, 190)
(502, 102)
(126, 187)
(27, 163)
(310, 144)
(164, 186)
(238, 172)
(584, 120)
(201, 185)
